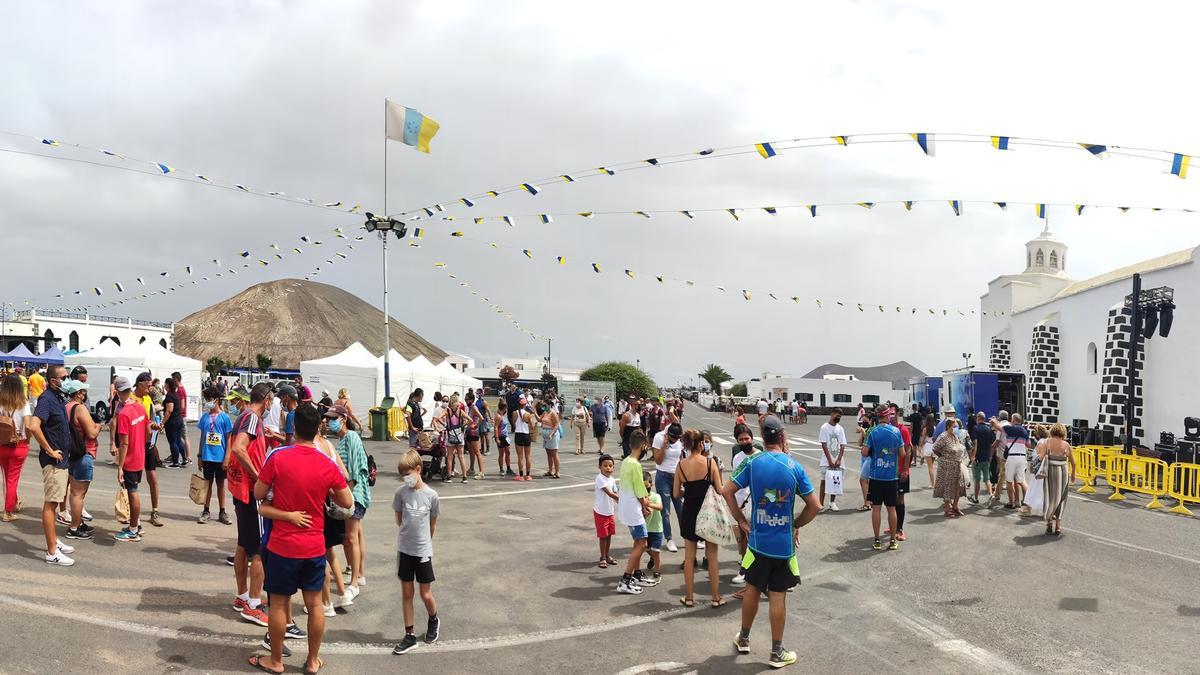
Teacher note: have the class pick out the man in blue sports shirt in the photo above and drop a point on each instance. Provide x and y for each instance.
(775, 481)
(883, 445)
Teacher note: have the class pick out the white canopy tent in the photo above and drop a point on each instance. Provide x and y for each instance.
(455, 381)
(111, 359)
(355, 369)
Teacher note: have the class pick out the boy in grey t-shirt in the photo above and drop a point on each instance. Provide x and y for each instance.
(416, 507)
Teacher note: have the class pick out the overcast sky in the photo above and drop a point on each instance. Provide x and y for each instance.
(289, 96)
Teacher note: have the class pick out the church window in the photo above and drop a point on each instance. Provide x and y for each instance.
(1041, 259)
(1091, 358)
(1054, 259)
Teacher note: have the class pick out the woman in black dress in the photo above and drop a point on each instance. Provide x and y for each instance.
(695, 475)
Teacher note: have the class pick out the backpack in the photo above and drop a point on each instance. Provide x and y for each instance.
(8, 430)
(372, 470)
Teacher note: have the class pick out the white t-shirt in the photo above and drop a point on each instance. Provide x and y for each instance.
(271, 419)
(762, 407)
(18, 417)
(834, 436)
(671, 454)
(604, 503)
(741, 495)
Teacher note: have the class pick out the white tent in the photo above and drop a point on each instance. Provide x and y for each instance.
(109, 359)
(455, 381)
(354, 369)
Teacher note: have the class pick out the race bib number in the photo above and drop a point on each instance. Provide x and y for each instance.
(212, 438)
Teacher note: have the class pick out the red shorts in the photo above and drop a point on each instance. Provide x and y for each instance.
(606, 526)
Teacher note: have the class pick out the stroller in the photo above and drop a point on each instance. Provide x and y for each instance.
(433, 458)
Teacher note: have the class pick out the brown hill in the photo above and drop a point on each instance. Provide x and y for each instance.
(898, 373)
(290, 321)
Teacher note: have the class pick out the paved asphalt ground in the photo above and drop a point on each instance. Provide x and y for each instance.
(519, 590)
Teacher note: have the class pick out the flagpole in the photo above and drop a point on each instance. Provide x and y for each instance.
(387, 327)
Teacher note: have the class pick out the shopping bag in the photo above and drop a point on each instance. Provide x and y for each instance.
(198, 489)
(1034, 498)
(715, 523)
(121, 506)
(833, 482)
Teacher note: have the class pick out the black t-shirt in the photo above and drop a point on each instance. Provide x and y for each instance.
(914, 421)
(414, 410)
(984, 437)
(176, 413)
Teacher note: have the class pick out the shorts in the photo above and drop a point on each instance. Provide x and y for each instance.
(359, 511)
(413, 436)
(770, 574)
(1014, 468)
(606, 526)
(152, 459)
(550, 439)
(637, 531)
(285, 576)
(902, 486)
(472, 436)
(882, 492)
(502, 441)
(654, 541)
(522, 440)
(864, 469)
(54, 484)
(981, 472)
(335, 532)
(927, 450)
(81, 469)
(130, 480)
(213, 471)
(410, 567)
(249, 526)
(598, 430)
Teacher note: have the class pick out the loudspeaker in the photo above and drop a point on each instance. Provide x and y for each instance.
(1079, 424)
(1166, 438)
(1191, 428)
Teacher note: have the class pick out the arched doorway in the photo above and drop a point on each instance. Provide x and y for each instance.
(73, 341)
(48, 339)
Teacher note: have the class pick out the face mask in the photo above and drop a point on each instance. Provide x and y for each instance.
(707, 446)
(746, 448)
(410, 480)
(335, 426)
(210, 406)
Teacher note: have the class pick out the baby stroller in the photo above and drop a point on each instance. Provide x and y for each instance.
(433, 457)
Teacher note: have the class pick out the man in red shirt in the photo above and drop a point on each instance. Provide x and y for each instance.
(247, 455)
(298, 478)
(906, 459)
(132, 426)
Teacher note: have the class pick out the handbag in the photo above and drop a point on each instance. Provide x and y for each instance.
(964, 475)
(1039, 466)
(338, 512)
(121, 506)
(197, 489)
(715, 522)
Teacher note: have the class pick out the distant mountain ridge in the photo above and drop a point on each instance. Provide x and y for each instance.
(898, 373)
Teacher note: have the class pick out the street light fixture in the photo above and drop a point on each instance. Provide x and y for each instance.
(967, 360)
(383, 225)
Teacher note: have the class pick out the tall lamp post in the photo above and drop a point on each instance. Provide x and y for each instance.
(967, 361)
(1150, 308)
(383, 225)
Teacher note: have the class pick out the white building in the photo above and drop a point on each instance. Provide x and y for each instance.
(829, 391)
(459, 362)
(1071, 339)
(529, 368)
(41, 329)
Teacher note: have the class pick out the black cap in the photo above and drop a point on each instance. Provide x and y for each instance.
(772, 430)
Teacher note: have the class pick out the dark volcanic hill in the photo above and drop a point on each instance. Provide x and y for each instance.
(898, 373)
(290, 321)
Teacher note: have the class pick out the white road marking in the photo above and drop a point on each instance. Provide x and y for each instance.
(670, 666)
(506, 493)
(721, 440)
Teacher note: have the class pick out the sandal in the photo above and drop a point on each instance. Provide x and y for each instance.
(611, 561)
(257, 662)
(547, 475)
(556, 476)
(687, 602)
(719, 602)
(314, 671)
(864, 507)
(603, 564)
(739, 594)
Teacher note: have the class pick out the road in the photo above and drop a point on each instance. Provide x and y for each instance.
(519, 590)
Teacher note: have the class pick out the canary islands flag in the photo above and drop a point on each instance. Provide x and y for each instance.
(409, 126)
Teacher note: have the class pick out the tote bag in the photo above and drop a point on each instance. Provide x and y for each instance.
(197, 489)
(121, 506)
(714, 522)
(833, 482)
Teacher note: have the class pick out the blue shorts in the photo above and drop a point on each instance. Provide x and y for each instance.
(865, 468)
(80, 470)
(359, 511)
(654, 541)
(284, 576)
(637, 531)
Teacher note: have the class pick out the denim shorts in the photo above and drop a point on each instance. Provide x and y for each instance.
(81, 469)
(654, 541)
(637, 531)
(359, 511)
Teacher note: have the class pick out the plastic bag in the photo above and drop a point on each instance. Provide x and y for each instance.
(833, 482)
(1034, 498)
(715, 523)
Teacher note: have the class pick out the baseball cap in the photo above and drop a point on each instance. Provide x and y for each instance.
(237, 395)
(772, 429)
(73, 386)
(122, 383)
(287, 390)
(337, 411)
(675, 430)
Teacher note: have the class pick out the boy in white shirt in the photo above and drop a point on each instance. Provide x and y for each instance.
(833, 447)
(602, 510)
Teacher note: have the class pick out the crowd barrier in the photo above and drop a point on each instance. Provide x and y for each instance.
(1131, 473)
(1086, 468)
(1183, 485)
(1145, 475)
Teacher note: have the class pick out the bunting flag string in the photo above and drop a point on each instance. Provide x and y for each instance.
(956, 206)
(262, 256)
(491, 304)
(156, 168)
(597, 267)
(1177, 163)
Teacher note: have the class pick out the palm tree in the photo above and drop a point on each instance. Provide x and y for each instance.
(715, 375)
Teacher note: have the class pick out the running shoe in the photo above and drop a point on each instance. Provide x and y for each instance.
(63, 519)
(266, 644)
(204, 516)
(741, 644)
(973, 500)
(342, 600)
(329, 610)
(174, 465)
(893, 545)
(528, 477)
(352, 592)
(223, 518)
(739, 580)
(362, 581)
(518, 478)
(406, 645)
(834, 507)
(900, 536)
(87, 516)
(433, 630)
(509, 472)
(642, 580)
(239, 604)
(128, 535)
(84, 527)
(64, 548)
(78, 534)
(255, 615)
(59, 558)
(878, 545)
(782, 658)
(671, 546)
(154, 519)
(229, 560)
(293, 632)
(628, 587)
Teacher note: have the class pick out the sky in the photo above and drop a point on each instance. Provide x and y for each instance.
(289, 96)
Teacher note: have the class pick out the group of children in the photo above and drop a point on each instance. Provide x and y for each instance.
(630, 495)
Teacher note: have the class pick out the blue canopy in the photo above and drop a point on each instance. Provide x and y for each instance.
(22, 355)
(53, 355)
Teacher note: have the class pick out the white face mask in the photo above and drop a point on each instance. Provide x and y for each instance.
(707, 446)
(410, 480)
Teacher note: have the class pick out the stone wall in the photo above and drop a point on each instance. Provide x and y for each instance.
(1115, 376)
(1000, 355)
(1042, 377)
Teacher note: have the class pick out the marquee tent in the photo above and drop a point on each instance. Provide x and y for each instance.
(111, 359)
(354, 369)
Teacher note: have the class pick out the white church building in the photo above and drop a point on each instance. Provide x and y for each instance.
(1071, 340)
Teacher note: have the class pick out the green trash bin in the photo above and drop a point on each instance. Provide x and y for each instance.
(379, 419)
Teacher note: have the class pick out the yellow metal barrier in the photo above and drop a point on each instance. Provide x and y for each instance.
(396, 421)
(1085, 468)
(1183, 485)
(1137, 474)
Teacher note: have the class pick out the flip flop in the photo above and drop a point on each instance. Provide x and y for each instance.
(739, 594)
(257, 662)
(611, 561)
(719, 603)
(320, 664)
(864, 507)
(687, 602)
